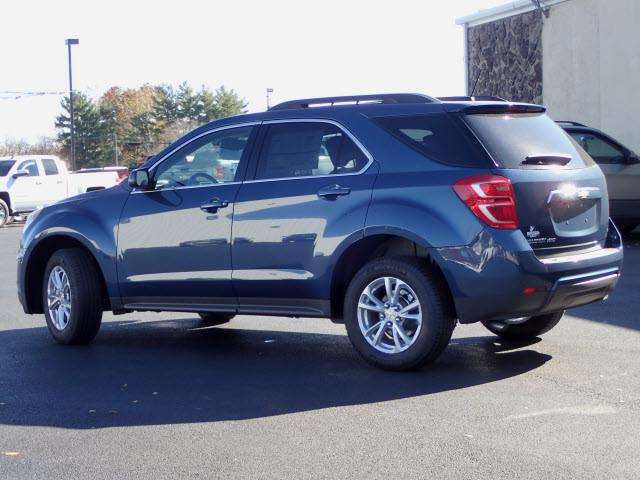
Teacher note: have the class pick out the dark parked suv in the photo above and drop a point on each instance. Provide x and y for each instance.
(397, 215)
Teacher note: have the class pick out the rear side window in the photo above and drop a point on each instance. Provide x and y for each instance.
(305, 149)
(439, 137)
(50, 167)
(511, 138)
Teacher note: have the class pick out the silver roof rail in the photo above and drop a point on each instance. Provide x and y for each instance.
(386, 98)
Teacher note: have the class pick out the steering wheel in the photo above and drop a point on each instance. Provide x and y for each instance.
(193, 179)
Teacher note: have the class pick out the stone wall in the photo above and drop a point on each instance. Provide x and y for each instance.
(507, 54)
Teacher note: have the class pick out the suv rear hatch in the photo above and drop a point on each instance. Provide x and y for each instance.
(561, 195)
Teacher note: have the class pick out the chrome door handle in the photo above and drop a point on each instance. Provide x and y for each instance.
(214, 205)
(331, 192)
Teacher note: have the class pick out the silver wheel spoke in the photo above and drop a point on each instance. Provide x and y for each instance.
(410, 316)
(370, 330)
(55, 279)
(388, 288)
(373, 308)
(373, 298)
(396, 340)
(379, 333)
(396, 292)
(405, 338)
(60, 317)
(408, 308)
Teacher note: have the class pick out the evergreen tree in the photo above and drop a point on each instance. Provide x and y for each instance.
(207, 108)
(165, 108)
(88, 131)
(187, 103)
(228, 103)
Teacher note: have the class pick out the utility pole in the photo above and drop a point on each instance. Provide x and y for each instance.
(269, 92)
(69, 42)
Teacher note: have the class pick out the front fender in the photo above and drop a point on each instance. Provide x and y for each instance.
(91, 221)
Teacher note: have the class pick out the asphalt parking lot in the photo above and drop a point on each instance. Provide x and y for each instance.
(157, 396)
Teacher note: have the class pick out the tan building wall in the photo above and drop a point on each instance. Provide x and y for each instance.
(591, 65)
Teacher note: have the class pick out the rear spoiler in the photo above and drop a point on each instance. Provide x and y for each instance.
(503, 108)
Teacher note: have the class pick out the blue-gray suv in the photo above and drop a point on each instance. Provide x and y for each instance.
(397, 215)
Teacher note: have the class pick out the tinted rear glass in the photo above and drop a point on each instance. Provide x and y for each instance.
(439, 137)
(5, 166)
(511, 138)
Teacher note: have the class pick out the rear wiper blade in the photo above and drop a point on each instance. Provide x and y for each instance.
(547, 159)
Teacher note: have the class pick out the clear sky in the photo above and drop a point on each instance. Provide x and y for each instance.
(299, 48)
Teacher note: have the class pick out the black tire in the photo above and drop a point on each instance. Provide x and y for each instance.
(438, 318)
(527, 330)
(86, 299)
(212, 319)
(5, 214)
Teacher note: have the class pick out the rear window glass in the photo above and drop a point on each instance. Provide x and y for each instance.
(439, 137)
(511, 138)
(5, 166)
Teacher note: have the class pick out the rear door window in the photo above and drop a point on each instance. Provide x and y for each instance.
(512, 138)
(50, 167)
(307, 149)
(439, 137)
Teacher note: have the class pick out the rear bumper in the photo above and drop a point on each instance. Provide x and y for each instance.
(491, 282)
(576, 290)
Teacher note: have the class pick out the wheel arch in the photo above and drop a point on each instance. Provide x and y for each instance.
(37, 263)
(6, 198)
(376, 244)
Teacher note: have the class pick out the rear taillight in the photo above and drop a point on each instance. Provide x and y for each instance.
(491, 198)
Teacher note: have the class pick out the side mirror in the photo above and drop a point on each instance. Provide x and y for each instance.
(139, 179)
(20, 173)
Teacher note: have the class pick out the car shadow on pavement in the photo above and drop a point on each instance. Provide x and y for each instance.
(170, 372)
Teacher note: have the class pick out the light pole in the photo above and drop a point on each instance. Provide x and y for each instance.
(68, 42)
(269, 92)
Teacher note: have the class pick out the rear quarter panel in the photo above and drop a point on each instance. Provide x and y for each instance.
(413, 195)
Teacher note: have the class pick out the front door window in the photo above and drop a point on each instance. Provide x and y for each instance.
(210, 160)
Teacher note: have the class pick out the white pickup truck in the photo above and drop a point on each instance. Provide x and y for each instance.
(28, 182)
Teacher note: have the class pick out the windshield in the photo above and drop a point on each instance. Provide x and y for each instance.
(5, 166)
(511, 139)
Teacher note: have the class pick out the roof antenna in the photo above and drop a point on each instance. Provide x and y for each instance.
(475, 83)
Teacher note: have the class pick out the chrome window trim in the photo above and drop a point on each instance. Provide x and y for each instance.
(184, 144)
(335, 175)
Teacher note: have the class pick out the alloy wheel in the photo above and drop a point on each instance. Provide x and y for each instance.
(59, 298)
(389, 315)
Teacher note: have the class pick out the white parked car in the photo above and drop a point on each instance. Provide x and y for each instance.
(29, 182)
